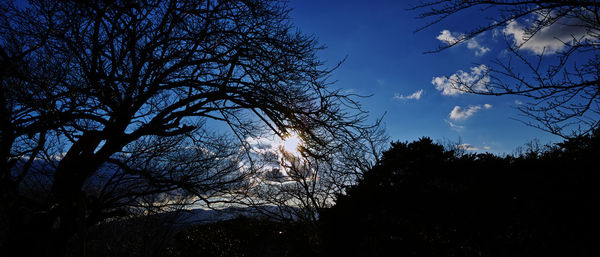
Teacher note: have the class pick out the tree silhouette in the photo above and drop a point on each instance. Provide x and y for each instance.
(108, 107)
(552, 60)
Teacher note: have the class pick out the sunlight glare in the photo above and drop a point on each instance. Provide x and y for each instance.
(291, 144)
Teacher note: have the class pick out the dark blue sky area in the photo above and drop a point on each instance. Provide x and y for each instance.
(386, 59)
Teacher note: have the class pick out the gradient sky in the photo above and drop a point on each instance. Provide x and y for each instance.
(386, 59)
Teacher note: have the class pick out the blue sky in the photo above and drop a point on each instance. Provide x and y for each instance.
(385, 58)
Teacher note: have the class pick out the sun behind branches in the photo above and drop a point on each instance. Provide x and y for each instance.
(291, 144)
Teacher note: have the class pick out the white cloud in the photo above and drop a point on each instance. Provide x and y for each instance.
(549, 39)
(447, 37)
(518, 102)
(450, 38)
(415, 95)
(461, 81)
(459, 113)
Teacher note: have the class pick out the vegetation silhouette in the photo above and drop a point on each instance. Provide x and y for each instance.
(423, 199)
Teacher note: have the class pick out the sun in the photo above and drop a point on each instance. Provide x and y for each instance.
(291, 144)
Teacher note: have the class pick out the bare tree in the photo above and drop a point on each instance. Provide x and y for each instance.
(112, 106)
(560, 79)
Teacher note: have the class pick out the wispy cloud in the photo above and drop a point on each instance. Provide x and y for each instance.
(460, 82)
(415, 96)
(479, 49)
(455, 126)
(450, 38)
(468, 147)
(549, 39)
(459, 113)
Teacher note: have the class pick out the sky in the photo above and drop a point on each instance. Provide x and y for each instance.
(385, 59)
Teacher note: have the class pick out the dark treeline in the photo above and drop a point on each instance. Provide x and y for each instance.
(425, 200)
